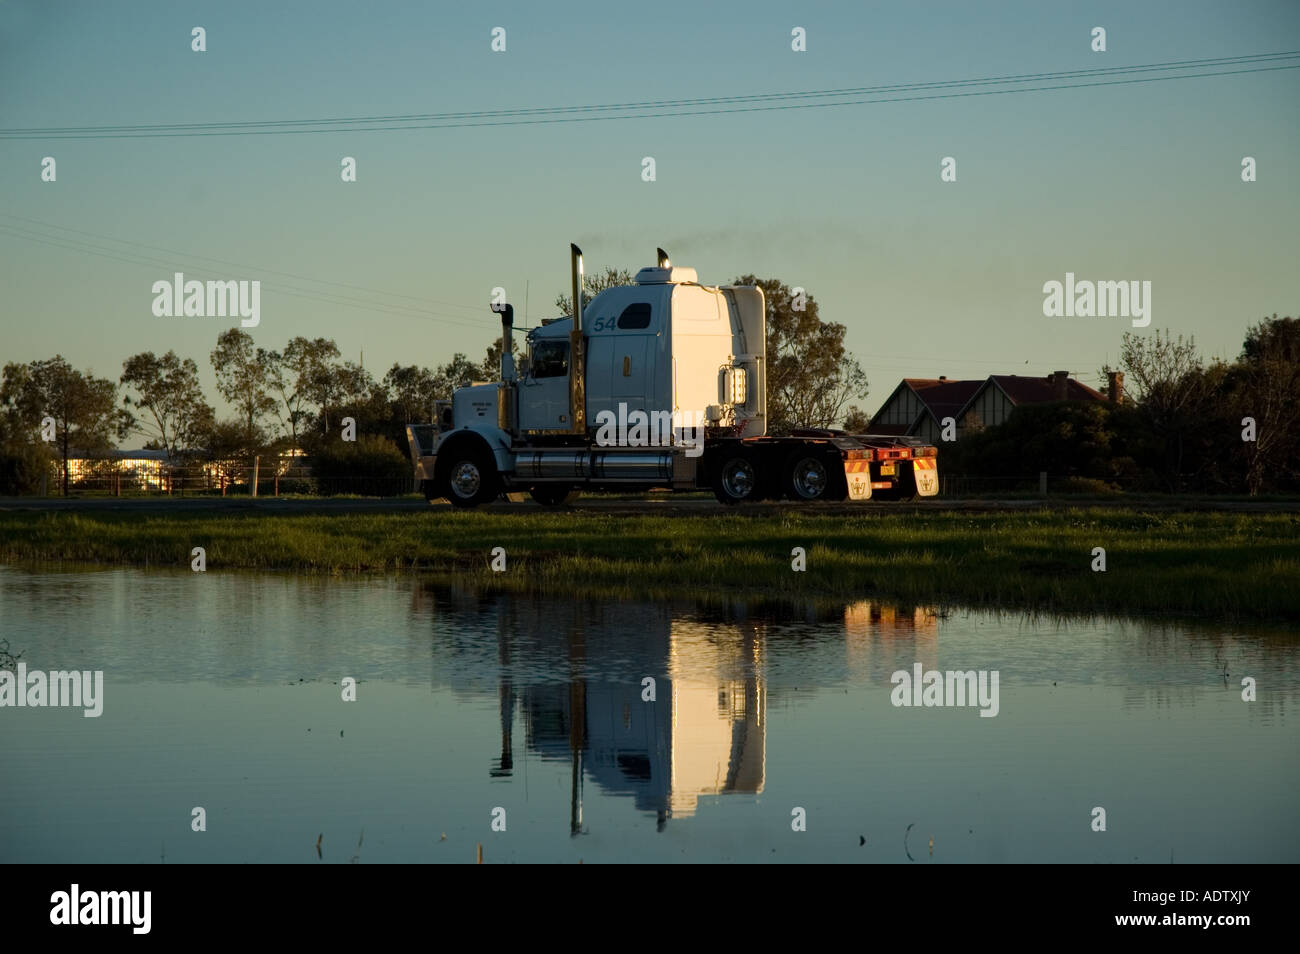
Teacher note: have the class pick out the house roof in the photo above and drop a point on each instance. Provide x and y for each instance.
(892, 430)
(943, 398)
(1021, 390)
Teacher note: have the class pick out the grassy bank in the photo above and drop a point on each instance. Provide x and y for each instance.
(1224, 565)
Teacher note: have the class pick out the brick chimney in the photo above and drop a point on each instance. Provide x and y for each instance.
(1060, 385)
(1115, 386)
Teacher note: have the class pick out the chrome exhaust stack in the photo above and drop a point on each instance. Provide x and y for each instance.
(507, 349)
(663, 259)
(577, 355)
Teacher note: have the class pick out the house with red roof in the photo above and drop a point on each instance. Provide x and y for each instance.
(918, 406)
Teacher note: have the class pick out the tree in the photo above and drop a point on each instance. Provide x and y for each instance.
(243, 377)
(167, 390)
(459, 372)
(856, 420)
(300, 376)
(592, 285)
(362, 398)
(811, 377)
(491, 370)
(1174, 390)
(84, 407)
(1264, 384)
(228, 447)
(411, 389)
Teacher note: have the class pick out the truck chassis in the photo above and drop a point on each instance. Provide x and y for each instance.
(806, 466)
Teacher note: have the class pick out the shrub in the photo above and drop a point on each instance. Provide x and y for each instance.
(371, 466)
(1086, 485)
(21, 468)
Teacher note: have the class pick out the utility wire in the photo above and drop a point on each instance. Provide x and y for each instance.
(676, 103)
(1191, 69)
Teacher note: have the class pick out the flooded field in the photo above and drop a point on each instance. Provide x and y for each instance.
(561, 730)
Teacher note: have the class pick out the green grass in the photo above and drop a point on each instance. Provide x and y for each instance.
(1222, 565)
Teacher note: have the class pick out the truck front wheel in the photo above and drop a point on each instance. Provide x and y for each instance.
(469, 476)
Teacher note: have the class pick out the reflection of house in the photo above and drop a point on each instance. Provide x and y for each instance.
(918, 406)
(881, 639)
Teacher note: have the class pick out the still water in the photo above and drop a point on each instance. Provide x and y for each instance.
(477, 712)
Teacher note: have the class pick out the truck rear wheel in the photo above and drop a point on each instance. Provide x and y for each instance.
(736, 479)
(553, 495)
(469, 476)
(813, 477)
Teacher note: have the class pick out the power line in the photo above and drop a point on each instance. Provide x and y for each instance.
(240, 265)
(675, 103)
(1190, 69)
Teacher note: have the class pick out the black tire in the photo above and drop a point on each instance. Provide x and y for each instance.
(554, 495)
(809, 476)
(735, 478)
(430, 490)
(467, 475)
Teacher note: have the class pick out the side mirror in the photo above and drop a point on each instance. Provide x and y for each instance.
(523, 366)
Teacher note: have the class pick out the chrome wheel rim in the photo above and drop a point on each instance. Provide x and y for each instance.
(809, 478)
(465, 480)
(738, 479)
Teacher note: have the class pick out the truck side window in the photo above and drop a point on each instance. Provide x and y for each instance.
(634, 317)
(550, 359)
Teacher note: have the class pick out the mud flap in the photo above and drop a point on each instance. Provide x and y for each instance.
(925, 472)
(857, 474)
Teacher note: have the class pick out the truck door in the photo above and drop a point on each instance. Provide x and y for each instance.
(544, 392)
(633, 358)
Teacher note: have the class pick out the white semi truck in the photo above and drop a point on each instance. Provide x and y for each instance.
(661, 384)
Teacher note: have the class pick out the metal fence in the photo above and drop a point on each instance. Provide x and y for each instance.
(274, 475)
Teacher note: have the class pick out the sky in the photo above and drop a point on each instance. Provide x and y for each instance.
(1113, 183)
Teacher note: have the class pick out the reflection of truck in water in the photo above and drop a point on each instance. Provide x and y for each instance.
(697, 729)
(572, 676)
(658, 384)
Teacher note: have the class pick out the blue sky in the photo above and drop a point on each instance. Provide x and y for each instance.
(1112, 183)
